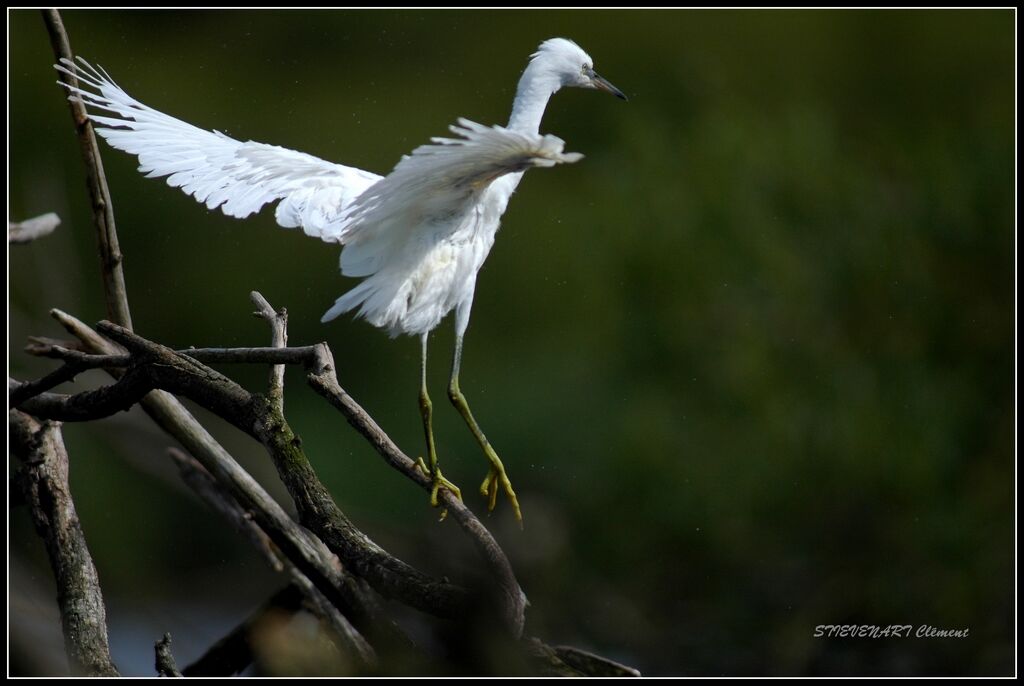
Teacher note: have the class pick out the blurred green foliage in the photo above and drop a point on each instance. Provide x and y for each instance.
(750, 364)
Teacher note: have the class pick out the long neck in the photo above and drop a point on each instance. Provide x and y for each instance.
(536, 87)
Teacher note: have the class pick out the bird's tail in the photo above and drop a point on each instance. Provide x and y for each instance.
(351, 300)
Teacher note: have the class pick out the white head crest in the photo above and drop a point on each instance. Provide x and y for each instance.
(570, 65)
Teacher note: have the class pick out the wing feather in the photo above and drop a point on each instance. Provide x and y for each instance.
(436, 185)
(217, 170)
(443, 175)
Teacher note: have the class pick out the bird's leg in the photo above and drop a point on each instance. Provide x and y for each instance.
(496, 476)
(426, 412)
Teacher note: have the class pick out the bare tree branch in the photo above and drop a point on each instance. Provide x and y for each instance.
(184, 375)
(44, 482)
(75, 362)
(306, 355)
(278, 322)
(17, 393)
(81, 359)
(31, 229)
(102, 209)
(155, 366)
(90, 340)
(37, 345)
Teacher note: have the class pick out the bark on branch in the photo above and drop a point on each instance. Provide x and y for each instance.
(43, 479)
(102, 209)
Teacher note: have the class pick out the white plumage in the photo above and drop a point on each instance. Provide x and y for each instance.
(417, 237)
(421, 234)
(217, 170)
(402, 229)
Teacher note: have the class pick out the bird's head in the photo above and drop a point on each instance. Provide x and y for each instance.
(571, 66)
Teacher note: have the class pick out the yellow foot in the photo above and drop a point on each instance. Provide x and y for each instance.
(496, 478)
(439, 482)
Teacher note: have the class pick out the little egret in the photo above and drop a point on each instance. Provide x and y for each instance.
(417, 237)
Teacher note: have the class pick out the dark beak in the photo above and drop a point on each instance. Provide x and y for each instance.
(601, 83)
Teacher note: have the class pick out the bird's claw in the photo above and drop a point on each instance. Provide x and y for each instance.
(438, 482)
(496, 478)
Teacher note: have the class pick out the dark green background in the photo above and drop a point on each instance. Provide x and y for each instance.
(750, 363)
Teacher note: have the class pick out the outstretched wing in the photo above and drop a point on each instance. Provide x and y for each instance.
(239, 178)
(436, 185)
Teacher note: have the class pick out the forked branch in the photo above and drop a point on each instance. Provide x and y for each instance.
(157, 367)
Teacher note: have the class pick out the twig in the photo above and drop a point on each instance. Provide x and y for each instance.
(165, 665)
(31, 229)
(17, 393)
(90, 340)
(278, 322)
(44, 482)
(75, 362)
(79, 358)
(305, 355)
(102, 209)
(37, 344)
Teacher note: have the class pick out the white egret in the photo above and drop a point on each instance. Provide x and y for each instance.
(417, 237)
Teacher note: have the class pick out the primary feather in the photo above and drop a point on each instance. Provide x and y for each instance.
(239, 178)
